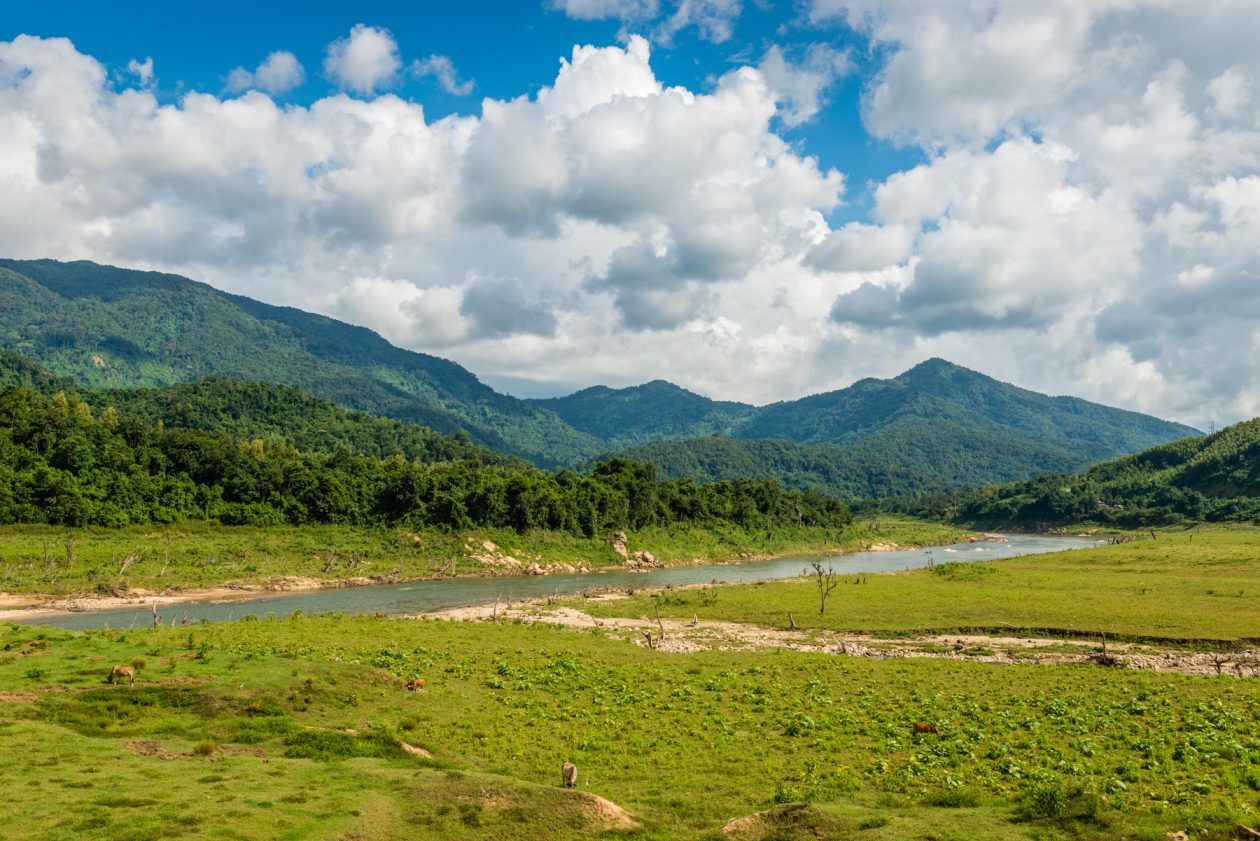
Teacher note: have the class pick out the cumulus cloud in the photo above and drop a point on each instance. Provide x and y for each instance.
(363, 61)
(142, 70)
(802, 88)
(280, 72)
(442, 69)
(1087, 195)
(1083, 220)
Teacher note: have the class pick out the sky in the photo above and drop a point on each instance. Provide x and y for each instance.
(755, 199)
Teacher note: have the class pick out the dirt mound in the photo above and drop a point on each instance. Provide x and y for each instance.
(415, 751)
(604, 812)
(787, 821)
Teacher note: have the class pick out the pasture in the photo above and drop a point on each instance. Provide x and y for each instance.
(292, 728)
(1198, 587)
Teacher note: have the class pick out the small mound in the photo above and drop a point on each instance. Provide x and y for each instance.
(415, 751)
(790, 820)
(604, 812)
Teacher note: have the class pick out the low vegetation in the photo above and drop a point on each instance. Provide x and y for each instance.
(57, 560)
(1201, 585)
(295, 728)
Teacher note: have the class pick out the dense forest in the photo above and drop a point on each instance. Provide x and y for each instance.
(61, 462)
(1214, 478)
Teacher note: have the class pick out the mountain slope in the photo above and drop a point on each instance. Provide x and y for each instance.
(654, 411)
(111, 327)
(252, 410)
(1212, 478)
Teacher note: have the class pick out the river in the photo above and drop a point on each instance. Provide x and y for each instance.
(417, 597)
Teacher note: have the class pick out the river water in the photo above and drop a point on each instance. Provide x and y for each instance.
(443, 594)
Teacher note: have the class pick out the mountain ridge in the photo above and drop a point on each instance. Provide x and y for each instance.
(935, 425)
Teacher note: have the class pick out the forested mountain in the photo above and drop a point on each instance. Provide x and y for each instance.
(937, 426)
(110, 327)
(249, 410)
(655, 411)
(913, 456)
(64, 464)
(1208, 478)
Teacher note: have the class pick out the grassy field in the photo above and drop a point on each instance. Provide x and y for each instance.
(242, 731)
(43, 559)
(1192, 586)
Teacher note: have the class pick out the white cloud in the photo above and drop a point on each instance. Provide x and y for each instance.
(443, 69)
(364, 61)
(627, 10)
(280, 72)
(801, 89)
(1084, 220)
(714, 19)
(142, 70)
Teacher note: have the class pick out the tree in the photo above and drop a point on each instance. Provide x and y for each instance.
(827, 579)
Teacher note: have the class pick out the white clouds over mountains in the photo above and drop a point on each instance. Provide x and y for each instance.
(1084, 222)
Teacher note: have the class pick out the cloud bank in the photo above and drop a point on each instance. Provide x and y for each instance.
(1084, 222)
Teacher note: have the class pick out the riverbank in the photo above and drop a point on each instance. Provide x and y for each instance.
(688, 637)
(187, 555)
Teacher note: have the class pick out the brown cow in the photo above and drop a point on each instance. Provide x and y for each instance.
(415, 684)
(568, 774)
(921, 727)
(119, 672)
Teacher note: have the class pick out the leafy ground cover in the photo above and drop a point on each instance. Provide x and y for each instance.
(291, 729)
(57, 560)
(1200, 585)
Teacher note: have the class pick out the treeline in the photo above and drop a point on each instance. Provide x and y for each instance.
(1214, 478)
(63, 463)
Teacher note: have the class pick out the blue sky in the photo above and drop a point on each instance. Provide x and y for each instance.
(755, 199)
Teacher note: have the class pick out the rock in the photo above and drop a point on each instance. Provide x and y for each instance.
(488, 546)
(618, 542)
(641, 560)
(534, 569)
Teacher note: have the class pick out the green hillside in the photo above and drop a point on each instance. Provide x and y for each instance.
(1213, 478)
(61, 463)
(117, 328)
(655, 411)
(915, 455)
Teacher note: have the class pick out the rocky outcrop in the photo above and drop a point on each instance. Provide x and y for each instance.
(618, 542)
(640, 561)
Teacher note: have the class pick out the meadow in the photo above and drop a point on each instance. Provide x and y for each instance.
(291, 728)
(57, 560)
(1195, 586)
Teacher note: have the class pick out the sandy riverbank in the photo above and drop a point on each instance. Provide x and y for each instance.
(682, 637)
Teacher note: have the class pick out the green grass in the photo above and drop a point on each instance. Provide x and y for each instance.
(1193, 586)
(302, 716)
(47, 559)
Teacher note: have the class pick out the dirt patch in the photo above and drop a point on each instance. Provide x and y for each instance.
(605, 813)
(152, 747)
(18, 698)
(414, 751)
(685, 637)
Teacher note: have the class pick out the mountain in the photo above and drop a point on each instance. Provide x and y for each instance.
(1213, 478)
(252, 410)
(936, 426)
(110, 327)
(655, 411)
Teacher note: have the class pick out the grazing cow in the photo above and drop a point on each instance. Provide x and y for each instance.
(119, 672)
(415, 684)
(568, 774)
(921, 727)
